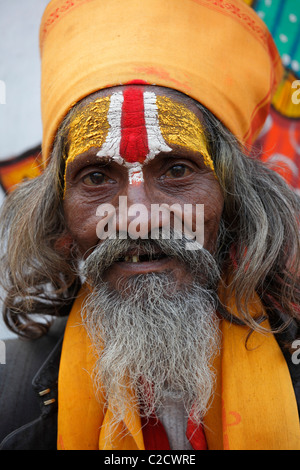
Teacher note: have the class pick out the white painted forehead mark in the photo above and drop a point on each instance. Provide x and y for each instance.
(133, 142)
(156, 142)
(111, 146)
(135, 173)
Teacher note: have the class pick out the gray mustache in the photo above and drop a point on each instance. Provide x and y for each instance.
(109, 251)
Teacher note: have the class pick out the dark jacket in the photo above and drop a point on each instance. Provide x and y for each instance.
(28, 390)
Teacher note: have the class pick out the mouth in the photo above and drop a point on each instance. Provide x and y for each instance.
(142, 258)
(140, 261)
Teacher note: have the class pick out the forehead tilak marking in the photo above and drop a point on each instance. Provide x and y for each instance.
(134, 145)
(134, 134)
(133, 126)
(134, 137)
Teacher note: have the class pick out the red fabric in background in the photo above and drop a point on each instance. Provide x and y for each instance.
(280, 143)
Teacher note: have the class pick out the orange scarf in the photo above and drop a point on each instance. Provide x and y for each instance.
(254, 406)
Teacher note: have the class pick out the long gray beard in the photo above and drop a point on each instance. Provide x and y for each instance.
(155, 340)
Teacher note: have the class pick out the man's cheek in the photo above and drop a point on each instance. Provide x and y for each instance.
(211, 229)
(83, 231)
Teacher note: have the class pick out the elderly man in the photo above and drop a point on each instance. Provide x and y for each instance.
(160, 341)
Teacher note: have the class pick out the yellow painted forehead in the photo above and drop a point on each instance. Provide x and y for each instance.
(134, 125)
(180, 126)
(88, 127)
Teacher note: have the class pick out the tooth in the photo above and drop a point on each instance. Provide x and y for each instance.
(135, 259)
(127, 259)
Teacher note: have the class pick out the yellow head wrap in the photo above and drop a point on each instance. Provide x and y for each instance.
(218, 52)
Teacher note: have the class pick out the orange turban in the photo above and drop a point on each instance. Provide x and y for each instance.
(219, 52)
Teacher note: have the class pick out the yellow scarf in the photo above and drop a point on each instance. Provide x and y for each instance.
(254, 406)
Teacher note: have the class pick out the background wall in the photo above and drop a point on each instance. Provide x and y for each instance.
(20, 122)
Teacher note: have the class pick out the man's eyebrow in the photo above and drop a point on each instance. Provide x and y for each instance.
(82, 160)
(178, 153)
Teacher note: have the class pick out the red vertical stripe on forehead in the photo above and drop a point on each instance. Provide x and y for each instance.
(134, 141)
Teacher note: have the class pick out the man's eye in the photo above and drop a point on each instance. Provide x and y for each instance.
(95, 179)
(178, 171)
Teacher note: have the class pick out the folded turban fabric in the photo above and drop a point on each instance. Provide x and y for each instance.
(218, 52)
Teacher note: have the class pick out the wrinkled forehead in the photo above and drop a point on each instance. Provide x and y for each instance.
(133, 123)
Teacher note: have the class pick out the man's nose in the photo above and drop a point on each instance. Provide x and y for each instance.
(134, 211)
